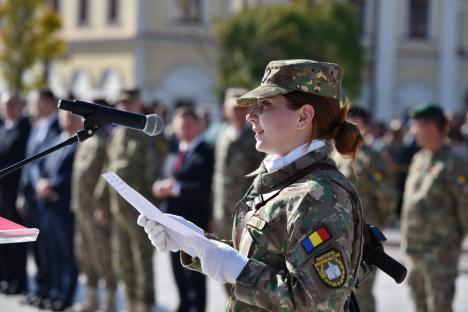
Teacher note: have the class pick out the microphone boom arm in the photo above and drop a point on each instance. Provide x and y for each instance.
(90, 128)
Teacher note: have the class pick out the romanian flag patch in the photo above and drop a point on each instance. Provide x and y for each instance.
(315, 239)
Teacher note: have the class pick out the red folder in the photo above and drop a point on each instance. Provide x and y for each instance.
(11, 232)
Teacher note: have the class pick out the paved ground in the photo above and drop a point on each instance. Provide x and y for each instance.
(390, 296)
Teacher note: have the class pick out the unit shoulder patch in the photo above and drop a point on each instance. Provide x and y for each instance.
(331, 268)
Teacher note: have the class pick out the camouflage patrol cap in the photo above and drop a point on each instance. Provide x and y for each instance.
(232, 94)
(427, 110)
(284, 76)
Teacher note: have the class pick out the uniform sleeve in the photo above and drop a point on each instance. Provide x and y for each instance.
(386, 193)
(459, 187)
(319, 255)
(153, 161)
(194, 264)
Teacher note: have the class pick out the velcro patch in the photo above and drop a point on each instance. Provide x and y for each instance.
(317, 238)
(331, 268)
(257, 222)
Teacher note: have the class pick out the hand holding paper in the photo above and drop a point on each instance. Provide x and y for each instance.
(161, 239)
(176, 228)
(170, 232)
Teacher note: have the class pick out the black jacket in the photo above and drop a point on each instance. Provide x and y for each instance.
(12, 150)
(195, 175)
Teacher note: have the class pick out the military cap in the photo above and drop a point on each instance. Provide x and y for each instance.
(284, 76)
(129, 94)
(427, 110)
(232, 94)
(187, 110)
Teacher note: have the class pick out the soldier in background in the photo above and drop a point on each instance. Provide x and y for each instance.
(235, 157)
(435, 212)
(137, 159)
(370, 175)
(93, 223)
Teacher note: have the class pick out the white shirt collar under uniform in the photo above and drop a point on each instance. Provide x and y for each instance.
(188, 147)
(273, 163)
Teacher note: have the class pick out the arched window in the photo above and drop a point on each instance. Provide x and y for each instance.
(111, 83)
(418, 19)
(81, 85)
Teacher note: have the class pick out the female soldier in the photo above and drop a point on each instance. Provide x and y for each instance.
(297, 233)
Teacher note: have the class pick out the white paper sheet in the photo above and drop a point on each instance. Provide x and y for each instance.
(177, 230)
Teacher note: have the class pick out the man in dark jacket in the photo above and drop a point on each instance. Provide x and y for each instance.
(53, 190)
(188, 194)
(14, 133)
(44, 131)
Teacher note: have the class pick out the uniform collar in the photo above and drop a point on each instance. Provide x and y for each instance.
(273, 163)
(265, 179)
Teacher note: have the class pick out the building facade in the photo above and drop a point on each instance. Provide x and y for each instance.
(416, 50)
(164, 47)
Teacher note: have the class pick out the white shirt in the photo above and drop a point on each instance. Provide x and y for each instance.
(273, 162)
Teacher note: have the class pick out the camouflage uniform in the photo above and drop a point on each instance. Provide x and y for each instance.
(137, 159)
(434, 221)
(369, 173)
(235, 157)
(92, 240)
(282, 275)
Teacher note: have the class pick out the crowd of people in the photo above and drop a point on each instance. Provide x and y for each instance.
(197, 170)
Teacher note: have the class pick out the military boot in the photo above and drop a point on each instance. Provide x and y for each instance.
(90, 303)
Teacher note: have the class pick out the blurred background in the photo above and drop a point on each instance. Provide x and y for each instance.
(395, 53)
(154, 56)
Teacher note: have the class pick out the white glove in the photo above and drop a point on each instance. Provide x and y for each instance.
(218, 260)
(161, 238)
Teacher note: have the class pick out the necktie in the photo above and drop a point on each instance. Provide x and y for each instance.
(179, 161)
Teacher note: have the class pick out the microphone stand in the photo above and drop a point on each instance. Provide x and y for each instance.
(90, 128)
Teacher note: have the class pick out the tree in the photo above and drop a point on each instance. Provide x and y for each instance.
(323, 30)
(28, 37)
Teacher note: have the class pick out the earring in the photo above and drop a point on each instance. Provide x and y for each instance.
(300, 125)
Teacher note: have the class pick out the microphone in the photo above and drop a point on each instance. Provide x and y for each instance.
(103, 115)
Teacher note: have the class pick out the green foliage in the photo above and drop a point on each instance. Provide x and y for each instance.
(28, 36)
(324, 30)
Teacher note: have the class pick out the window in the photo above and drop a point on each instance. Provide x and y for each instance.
(418, 19)
(83, 14)
(54, 5)
(188, 11)
(113, 10)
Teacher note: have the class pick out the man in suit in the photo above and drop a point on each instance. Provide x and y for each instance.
(56, 219)
(44, 131)
(14, 133)
(188, 194)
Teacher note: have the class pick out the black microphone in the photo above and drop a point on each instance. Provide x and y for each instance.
(103, 115)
